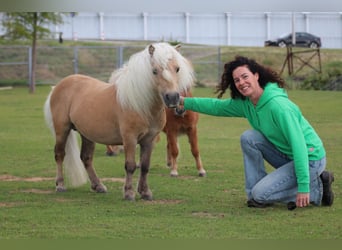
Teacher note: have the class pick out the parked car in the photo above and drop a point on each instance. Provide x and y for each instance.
(303, 39)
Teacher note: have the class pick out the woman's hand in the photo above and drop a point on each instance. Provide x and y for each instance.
(303, 199)
(181, 101)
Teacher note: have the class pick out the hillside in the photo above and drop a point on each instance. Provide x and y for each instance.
(99, 59)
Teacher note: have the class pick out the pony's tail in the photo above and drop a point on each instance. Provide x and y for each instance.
(74, 169)
(75, 172)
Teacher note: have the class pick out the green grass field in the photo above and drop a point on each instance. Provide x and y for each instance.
(187, 207)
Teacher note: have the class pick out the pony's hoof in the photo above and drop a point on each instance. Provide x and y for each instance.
(99, 188)
(129, 197)
(202, 174)
(60, 189)
(174, 173)
(147, 196)
(111, 154)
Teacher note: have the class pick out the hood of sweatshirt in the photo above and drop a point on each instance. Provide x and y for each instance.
(271, 90)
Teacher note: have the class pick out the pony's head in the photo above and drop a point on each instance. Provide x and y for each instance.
(157, 72)
(172, 72)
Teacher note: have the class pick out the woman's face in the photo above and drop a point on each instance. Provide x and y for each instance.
(246, 82)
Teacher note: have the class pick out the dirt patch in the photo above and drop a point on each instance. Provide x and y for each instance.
(62, 200)
(113, 179)
(9, 204)
(38, 179)
(154, 202)
(182, 177)
(37, 191)
(28, 179)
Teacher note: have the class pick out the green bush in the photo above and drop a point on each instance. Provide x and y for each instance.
(330, 79)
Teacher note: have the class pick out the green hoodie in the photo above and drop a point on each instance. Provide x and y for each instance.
(278, 119)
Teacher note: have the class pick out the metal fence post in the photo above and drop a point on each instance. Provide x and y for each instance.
(119, 60)
(29, 65)
(218, 63)
(75, 61)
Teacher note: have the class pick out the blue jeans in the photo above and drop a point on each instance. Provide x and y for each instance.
(281, 184)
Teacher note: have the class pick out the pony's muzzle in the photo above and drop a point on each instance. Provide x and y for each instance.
(171, 100)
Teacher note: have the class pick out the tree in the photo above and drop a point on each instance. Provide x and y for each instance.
(31, 26)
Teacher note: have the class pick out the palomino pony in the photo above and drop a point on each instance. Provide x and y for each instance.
(182, 123)
(129, 112)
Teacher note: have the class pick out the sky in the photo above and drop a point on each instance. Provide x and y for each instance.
(202, 6)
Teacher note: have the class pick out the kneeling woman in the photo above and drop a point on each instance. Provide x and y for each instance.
(280, 135)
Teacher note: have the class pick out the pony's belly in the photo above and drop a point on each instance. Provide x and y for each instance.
(102, 135)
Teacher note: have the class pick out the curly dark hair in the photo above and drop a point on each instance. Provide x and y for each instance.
(266, 75)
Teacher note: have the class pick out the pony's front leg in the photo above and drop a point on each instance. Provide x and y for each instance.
(87, 152)
(145, 158)
(130, 166)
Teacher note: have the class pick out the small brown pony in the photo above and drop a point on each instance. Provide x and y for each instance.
(184, 123)
(113, 150)
(128, 112)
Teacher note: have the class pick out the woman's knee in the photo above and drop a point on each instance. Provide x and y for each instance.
(258, 194)
(249, 136)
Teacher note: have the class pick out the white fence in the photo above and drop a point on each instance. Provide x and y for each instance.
(235, 29)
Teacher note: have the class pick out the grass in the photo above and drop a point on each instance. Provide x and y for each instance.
(187, 207)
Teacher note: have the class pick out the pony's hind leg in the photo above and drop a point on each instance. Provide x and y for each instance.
(87, 152)
(59, 158)
(192, 135)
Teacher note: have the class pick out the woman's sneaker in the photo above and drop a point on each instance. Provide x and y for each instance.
(328, 195)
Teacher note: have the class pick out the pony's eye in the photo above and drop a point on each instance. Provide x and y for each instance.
(177, 69)
(155, 71)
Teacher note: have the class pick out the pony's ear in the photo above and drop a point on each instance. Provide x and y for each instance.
(151, 49)
(177, 47)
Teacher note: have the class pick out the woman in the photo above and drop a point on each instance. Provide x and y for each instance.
(280, 135)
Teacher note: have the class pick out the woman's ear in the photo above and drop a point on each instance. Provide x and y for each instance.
(256, 75)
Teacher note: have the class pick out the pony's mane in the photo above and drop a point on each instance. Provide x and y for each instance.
(135, 80)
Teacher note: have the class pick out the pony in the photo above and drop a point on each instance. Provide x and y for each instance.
(181, 122)
(113, 150)
(128, 112)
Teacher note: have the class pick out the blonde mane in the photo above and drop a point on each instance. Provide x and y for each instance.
(135, 82)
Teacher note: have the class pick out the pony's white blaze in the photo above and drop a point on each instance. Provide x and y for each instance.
(167, 75)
